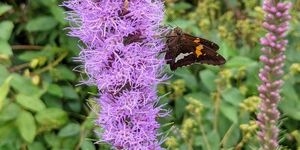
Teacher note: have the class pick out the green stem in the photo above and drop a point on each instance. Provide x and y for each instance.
(204, 135)
(53, 64)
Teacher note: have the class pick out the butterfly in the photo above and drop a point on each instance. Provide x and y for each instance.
(184, 49)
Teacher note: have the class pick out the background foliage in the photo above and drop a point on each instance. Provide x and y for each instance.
(213, 108)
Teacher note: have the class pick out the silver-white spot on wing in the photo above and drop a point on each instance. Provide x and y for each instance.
(182, 55)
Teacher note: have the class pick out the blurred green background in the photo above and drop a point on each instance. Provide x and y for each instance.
(41, 106)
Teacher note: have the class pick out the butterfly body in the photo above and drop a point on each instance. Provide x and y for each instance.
(185, 49)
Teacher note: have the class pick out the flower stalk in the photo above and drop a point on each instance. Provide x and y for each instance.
(119, 57)
(273, 57)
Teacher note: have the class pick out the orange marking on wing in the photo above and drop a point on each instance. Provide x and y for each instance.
(198, 50)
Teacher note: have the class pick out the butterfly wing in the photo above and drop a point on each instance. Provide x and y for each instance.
(188, 60)
(202, 41)
(185, 49)
(188, 50)
(210, 57)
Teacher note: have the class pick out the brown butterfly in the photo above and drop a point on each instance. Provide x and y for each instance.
(184, 49)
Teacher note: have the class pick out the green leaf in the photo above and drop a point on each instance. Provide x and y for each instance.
(5, 48)
(227, 51)
(289, 92)
(239, 61)
(52, 118)
(55, 89)
(30, 102)
(25, 86)
(204, 98)
(87, 145)
(213, 140)
(41, 24)
(189, 78)
(6, 28)
(208, 78)
(4, 8)
(28, 56)
(290, 104)
(47, 3)
(70, 142)
(75, 106)
(180, 107)
(3, 74)
(9, 112)
(36, 146)
(232, 136)
(51, 139)
(52, 101)
(26, 126)
(199, 141)
(58, 13)
(64, 73)
(70, 129)
(233, 96)
(230, 112)
(290, 108)
(10, 138)
(181, 6)
(4, 88)
(69, 93)
(232, 3)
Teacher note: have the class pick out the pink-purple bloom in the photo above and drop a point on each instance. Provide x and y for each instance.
(274, 46)
(120, 58)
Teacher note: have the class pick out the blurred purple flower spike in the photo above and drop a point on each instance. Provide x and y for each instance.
(273, 57)
(120, 58)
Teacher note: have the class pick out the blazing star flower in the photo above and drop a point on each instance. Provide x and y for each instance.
(120, 58)
(276, 22)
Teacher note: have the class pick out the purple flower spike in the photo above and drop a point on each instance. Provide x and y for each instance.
(120, 58)
(276, 22)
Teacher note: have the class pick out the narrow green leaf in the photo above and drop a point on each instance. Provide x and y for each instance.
(180, 107)
(6, 28)
(26, 126)
(4, 88)
(41, 24)
(239, 61)
(30, 102)
(58, 13)
(28, 56)
(3, 74)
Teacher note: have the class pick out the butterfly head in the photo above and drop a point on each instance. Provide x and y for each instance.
(177, 31)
